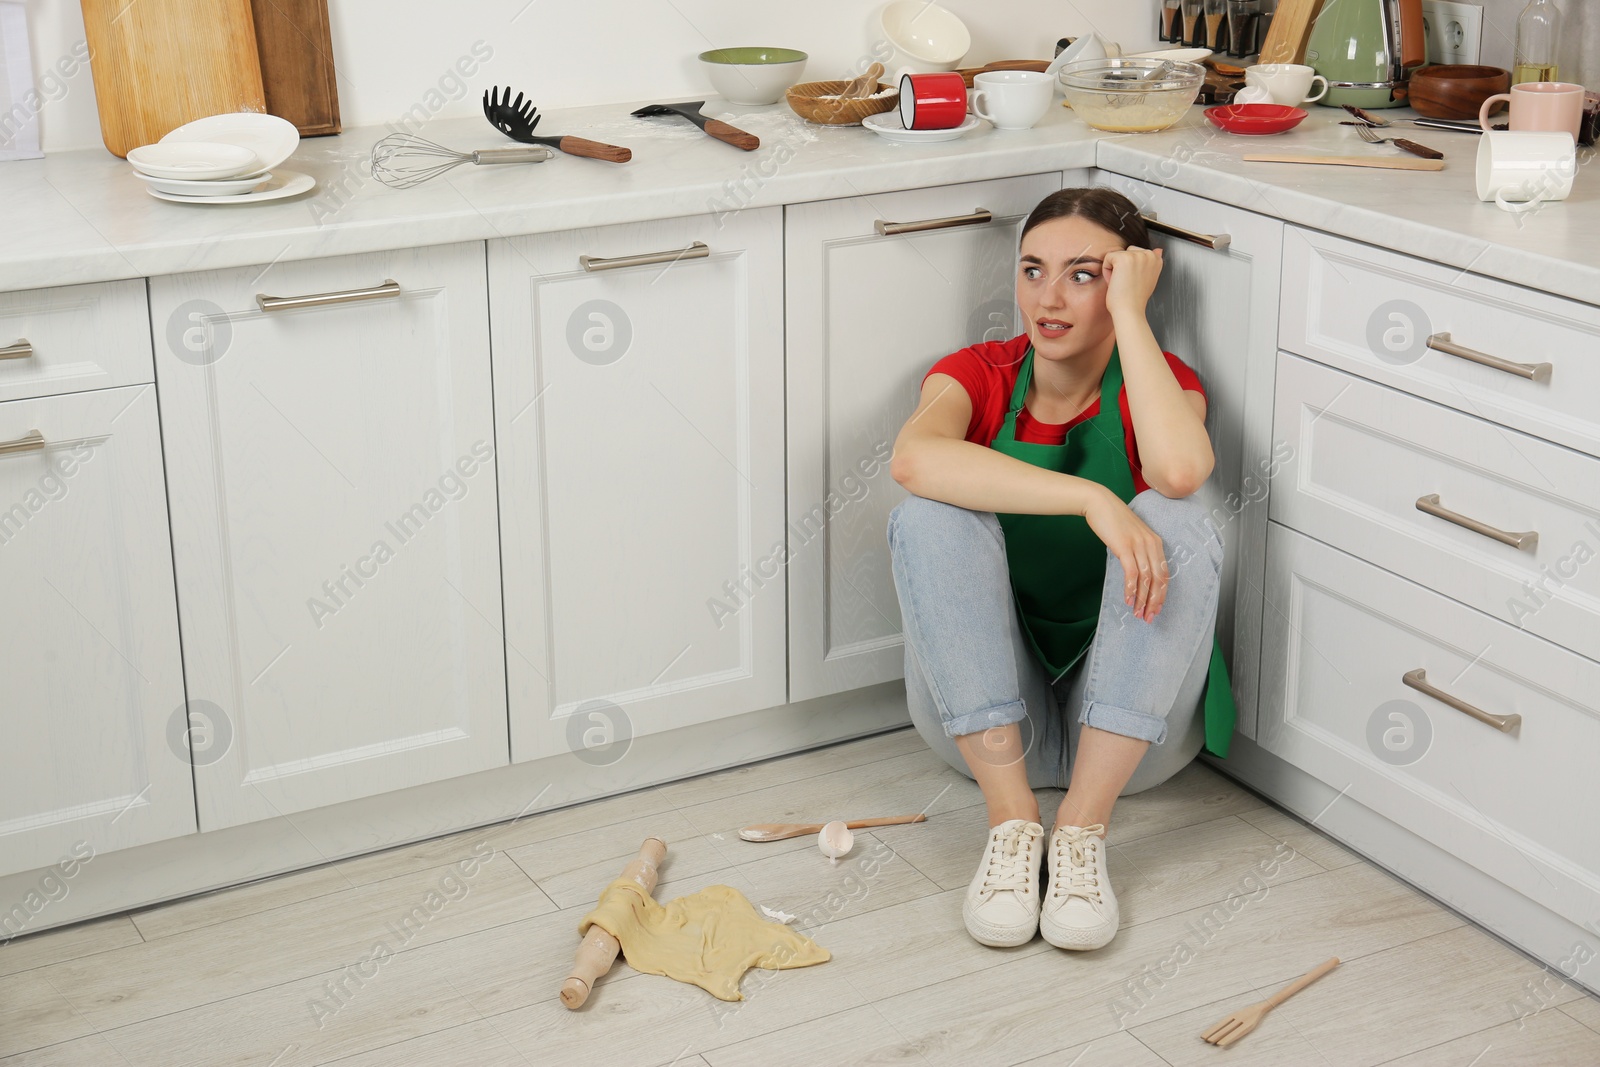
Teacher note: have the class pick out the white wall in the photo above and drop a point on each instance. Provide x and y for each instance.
(394, 54)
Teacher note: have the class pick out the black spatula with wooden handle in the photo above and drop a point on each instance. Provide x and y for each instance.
(715, 127)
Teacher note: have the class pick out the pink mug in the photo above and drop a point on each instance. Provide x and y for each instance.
(1555, 107)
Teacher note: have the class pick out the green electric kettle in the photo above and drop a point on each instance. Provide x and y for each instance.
(1367, 50)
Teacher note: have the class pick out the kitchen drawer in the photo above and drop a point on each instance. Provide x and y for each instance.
(1518, 805)
(73, 339)
(1372, 312)
(1368, 459)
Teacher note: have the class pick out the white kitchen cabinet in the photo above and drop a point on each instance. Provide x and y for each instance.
(878, 289)
(91, 680)
(331, 466)
(74, 338)
(1216, 308)
(1476, 737)
(639, 407)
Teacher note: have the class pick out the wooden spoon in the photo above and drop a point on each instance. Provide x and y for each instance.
(864, 85)
(1244, 1020)
(777, 831)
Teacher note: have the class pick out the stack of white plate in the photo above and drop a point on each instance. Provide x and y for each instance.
(224, 159)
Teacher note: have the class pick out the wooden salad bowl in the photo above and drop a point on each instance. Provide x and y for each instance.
(820, 102)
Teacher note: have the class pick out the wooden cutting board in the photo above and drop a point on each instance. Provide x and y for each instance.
(158, 64)
(1289, 31)
(296, 48)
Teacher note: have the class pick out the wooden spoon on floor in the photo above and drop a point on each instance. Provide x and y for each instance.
(777, 831)
(1244, 1020)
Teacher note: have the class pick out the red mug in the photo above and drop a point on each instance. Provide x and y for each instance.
(932, 101)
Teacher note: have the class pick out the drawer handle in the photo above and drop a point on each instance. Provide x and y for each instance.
(1418, 680)
(1219, 241)
(32, 441)
(1534, 372)
(698, 250)
(977, 218)
(21, 350)
(1430, 504)
(389, 288)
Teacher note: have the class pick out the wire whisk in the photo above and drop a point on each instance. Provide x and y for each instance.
(403, 160)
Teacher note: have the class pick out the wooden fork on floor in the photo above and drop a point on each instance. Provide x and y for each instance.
(1245, 1020)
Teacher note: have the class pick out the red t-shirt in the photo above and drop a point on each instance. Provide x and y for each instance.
(988, 372)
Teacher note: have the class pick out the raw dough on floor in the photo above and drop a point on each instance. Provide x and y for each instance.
(708, 939)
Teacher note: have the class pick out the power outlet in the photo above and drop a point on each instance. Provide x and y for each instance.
(1454, 31)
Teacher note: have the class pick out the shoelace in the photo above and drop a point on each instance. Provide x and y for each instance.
(1082, 860)
(1008, 864)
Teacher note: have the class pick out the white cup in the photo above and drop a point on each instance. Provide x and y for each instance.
(1012, 99)
(1289, 83)
(1521, 169)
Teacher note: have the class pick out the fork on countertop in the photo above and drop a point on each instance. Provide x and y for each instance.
(1370, 135)
(1367, 118)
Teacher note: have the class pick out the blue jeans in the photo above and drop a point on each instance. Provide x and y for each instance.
(970, 667)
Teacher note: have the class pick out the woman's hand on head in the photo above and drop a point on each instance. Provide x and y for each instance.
(1138, 548)
(1131, 275)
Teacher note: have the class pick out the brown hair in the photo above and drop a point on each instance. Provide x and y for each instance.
(1106, 208)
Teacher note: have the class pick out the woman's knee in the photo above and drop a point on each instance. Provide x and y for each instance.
(918, 519)
(1183, 524)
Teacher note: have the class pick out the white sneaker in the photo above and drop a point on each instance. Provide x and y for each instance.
(1002, 906)
(1080, 910)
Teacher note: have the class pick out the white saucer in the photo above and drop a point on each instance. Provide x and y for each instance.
(194, 161)
(272, 139)
(284, 183)
(887, 125)
(191, 187)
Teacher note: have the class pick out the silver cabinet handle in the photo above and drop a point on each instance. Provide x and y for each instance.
(32, 441)
(1219, 241)
(1418, 680)
(1430, 504)
(977, 218)
(1534, 372)
(21, 350)
(698, 250)
(389, 288)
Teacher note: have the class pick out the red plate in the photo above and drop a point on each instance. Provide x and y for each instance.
(1255, 118)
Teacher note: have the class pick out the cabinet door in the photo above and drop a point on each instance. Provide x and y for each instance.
(639, 405)
(334, 523)
(868, 314)
(1217, 310)
(91, 683)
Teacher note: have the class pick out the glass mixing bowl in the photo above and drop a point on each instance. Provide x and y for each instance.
(1131, 95)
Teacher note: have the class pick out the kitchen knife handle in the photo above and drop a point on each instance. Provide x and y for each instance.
(579, 146)
(732, 135)
(1418, 149)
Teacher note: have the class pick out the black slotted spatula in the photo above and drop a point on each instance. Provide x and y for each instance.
(715, 127)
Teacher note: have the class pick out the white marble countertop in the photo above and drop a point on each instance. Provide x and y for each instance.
(82, 216)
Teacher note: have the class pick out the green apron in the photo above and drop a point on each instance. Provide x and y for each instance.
(1058, 565)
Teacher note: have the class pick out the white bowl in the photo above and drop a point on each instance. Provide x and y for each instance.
(196, 160)
(753, 75)
(925, 36)
(272, 139)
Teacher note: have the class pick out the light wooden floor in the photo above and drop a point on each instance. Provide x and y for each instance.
(1224, 898)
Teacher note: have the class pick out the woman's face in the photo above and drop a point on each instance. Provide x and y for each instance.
(1061, 286)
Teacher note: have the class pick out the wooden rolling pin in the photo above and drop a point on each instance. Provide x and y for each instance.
(598, 949)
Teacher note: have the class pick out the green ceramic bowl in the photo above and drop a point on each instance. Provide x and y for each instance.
(753, 75)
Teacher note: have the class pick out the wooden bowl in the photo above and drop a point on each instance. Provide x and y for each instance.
(819, 102)
(1455, 91)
